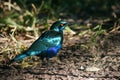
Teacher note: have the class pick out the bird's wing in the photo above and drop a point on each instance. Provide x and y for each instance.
(47, 40)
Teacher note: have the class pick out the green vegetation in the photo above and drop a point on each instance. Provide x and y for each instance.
(21, 21)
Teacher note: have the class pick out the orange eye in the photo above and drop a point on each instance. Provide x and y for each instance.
(61, 24)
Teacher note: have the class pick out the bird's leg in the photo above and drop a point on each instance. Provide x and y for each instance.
(48, 62)
(43, 61)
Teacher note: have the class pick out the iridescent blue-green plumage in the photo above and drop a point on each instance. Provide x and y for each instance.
(48, 44)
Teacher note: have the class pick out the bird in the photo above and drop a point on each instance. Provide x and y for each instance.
(47, 45)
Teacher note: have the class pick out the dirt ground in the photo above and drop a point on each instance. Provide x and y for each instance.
(77, 60)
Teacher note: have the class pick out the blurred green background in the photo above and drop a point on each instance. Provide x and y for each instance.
(36, 12)
(22, 21)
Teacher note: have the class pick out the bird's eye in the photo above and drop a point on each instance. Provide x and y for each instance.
(62, 24)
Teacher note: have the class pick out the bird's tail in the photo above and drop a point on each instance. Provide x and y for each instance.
(19, 57)
(23, 55)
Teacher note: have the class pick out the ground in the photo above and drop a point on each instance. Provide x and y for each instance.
(79, 59)
(91, 46)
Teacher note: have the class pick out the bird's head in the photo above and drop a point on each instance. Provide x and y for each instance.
(58, 26)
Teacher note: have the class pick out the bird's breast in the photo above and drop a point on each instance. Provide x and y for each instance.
(51, 52)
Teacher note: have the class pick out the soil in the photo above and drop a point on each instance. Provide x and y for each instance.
(77, 60)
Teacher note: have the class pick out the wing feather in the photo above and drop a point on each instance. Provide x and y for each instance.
(46, 40)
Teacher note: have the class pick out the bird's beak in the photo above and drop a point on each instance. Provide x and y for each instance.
(66, 25)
